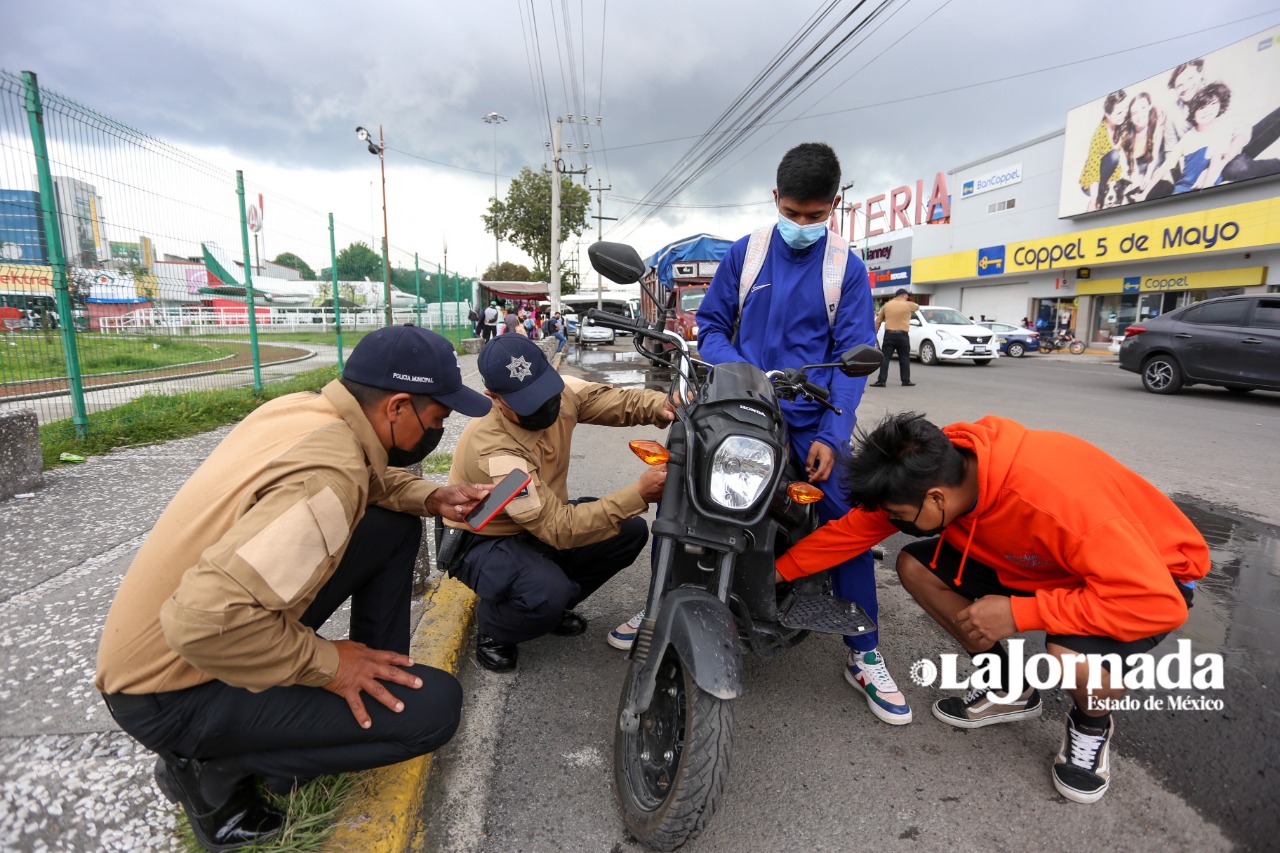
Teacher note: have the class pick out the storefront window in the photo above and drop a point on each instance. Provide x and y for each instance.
(1114, 312)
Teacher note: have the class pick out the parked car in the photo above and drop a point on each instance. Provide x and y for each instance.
(1014, 340)
(1232, 341)
(944, 334)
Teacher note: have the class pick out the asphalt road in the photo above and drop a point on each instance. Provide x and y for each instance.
(531, 768)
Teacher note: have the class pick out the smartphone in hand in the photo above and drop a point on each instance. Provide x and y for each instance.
(503, 493)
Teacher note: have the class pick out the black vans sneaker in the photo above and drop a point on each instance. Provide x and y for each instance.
(1082, 768)
(974, 710)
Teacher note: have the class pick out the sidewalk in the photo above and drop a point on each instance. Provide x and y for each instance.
(69, 778)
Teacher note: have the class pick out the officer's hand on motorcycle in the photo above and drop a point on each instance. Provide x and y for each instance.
(362, 669)
(454, 502)
(651, 482)
(820, 462)
(988, 620)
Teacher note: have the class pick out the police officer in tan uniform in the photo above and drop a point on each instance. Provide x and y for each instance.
(544, 554)
(210, 656)
(895, 316)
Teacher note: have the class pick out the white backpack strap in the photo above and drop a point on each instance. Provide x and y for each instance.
(757, 249)
(833, 266)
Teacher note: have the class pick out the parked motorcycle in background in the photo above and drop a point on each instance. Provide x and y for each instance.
(731, 505)
(1065, 339)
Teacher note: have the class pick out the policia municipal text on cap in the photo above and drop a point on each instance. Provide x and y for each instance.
(535, 561)
(210, 656)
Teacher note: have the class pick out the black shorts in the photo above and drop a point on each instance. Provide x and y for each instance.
(979, 579)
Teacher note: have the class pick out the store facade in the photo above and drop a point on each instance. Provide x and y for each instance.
(1051, 234)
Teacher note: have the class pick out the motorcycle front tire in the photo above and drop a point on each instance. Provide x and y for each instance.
(670, 774)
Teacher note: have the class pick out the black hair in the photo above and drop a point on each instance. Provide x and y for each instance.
(1197, 64)
(898, 461)
(1114, 98)
(1212, 92)
(809, 172)
(369, 396)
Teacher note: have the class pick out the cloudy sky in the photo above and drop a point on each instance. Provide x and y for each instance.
(276, 89)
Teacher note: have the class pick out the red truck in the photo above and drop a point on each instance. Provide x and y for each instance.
(680, 273)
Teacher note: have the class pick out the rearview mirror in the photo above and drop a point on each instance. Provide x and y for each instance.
(862, 360)
(617, 262)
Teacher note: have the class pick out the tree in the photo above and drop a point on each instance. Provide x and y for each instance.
(358, 262)
(289, 259)
(508, 271)
(524, 219)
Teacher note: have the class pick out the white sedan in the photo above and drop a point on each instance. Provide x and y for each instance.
(944, 334)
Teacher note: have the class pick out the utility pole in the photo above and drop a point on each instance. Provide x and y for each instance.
(600, 218)
(554, 261)
(844, 208)
(557, 170)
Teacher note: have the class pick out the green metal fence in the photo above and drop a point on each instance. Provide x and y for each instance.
(131, 268)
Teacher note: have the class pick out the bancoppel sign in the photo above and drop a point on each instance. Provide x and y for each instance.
(1003, 177)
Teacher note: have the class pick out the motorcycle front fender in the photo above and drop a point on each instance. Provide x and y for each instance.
(705, 637)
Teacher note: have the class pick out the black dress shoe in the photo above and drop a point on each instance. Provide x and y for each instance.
(876, 385)
(243, 819)
(495, 656)
(571, 625)
(907, 384)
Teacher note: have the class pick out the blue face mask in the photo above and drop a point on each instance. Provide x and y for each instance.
(800, 236)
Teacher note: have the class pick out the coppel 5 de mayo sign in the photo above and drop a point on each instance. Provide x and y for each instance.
(1237, 227)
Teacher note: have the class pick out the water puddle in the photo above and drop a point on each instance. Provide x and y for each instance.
(1237, 605)
(621, 369)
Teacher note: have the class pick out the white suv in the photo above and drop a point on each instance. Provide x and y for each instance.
(944, 334)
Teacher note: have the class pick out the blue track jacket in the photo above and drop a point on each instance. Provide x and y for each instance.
(784, 324)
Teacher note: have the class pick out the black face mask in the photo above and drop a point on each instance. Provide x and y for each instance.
(400, 458)
(543, 418)
(910, 528)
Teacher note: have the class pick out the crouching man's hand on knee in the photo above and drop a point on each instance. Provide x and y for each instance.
(988, 620)
(362, 669)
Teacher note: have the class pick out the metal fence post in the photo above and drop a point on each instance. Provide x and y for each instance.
(337, 308)
(248, 285)
(417, 288)
(57, 261)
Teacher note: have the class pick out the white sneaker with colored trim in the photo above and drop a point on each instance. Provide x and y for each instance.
(867, 672)
(625, 634)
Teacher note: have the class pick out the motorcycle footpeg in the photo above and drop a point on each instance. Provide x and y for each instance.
(825, 614)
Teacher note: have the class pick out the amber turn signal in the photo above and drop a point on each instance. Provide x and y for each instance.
(803, 493)
(653, 453)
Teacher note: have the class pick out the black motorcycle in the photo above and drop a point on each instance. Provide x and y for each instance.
(731, 505)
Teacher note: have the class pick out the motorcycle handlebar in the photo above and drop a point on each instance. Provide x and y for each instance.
(613, 321)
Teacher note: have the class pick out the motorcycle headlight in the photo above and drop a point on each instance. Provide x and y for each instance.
(740, 470)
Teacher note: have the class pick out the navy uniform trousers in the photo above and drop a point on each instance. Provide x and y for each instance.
(292, 734)
(525, 585)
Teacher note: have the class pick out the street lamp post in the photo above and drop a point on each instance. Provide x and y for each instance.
(380, 150)
(494, 119)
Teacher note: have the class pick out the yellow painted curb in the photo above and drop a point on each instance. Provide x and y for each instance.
(384, 816)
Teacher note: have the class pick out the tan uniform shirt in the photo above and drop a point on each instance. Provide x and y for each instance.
(492, 446)
(234, 561)
(895, 315)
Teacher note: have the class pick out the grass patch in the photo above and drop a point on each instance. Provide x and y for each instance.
(153, 418)
(310, 813)
(28, 357)
(437, 463)
(349, 338)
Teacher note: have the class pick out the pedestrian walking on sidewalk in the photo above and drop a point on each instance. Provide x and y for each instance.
(210, 656)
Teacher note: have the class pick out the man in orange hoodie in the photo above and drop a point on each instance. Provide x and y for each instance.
(1107, 572)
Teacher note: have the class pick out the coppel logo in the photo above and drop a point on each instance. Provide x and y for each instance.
(966, 189)
(991, 260)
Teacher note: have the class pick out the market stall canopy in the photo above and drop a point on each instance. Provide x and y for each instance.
(516, 289)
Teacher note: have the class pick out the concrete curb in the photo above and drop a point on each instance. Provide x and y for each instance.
(386, 814)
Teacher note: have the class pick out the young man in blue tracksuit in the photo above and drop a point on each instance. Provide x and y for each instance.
(786, 322)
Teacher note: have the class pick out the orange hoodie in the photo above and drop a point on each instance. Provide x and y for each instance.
(1098, 554)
